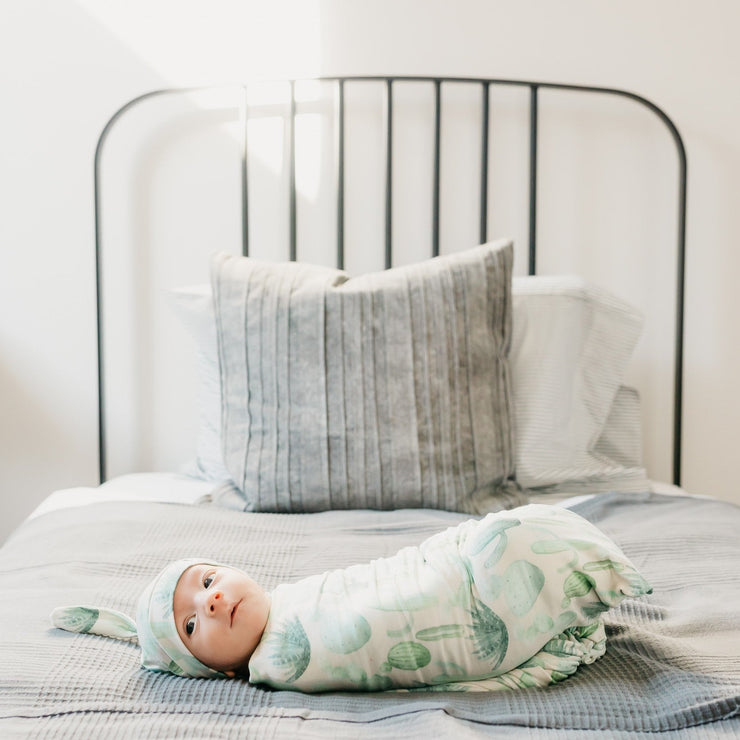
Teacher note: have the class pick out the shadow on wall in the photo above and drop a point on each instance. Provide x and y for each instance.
(61, 78)
(36, 451)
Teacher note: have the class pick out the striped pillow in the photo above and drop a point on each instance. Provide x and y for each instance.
(382, 391)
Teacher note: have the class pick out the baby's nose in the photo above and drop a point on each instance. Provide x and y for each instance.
(214, 599)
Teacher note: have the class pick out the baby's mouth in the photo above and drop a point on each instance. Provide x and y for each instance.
(233, 611)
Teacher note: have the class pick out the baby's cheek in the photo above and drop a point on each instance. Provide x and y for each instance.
(205, 643)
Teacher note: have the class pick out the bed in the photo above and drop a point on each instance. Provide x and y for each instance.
(346, 414)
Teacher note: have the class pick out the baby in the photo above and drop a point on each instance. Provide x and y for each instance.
(220, 614)
(510, 600)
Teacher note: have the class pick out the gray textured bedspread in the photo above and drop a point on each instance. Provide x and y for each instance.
(672, 666)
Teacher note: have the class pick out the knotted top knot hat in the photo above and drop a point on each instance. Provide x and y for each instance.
(154, 628)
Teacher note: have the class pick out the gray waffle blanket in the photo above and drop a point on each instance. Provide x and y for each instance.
(672, 665)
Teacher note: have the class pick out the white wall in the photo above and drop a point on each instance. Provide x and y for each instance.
(66, 66)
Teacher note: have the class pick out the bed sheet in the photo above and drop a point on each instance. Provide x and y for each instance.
(165, 488)
(672, 666)
(182, 488)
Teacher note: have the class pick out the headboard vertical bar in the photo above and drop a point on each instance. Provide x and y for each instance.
(436, 184)
(388, 172)
(680, 299)
(485, 110)
(533, 180)
(102, 415)
(340, 173)
(245, 179)
(291, 165)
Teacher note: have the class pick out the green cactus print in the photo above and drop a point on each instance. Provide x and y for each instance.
(577, 584)
(544, 624)
(173, 667)
(80, 619)
(585, 631)
(402, 632)
(443, 632)
(603, 565)
(409, 656)
(490, 635)
(592, 610)
(292, 650)
(495, 533)
(522, 585)
(344, 631)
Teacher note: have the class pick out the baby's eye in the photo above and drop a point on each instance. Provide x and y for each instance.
(190, 626)
(207, 581)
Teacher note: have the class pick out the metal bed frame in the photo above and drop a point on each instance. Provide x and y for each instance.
(391, 82)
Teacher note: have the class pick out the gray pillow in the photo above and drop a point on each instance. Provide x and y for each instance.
(383, 391)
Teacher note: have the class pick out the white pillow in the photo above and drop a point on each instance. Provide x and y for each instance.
(621, 439)
(193, 306)
(571, 345)
(574, 421)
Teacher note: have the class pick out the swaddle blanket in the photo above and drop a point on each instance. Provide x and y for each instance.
(514, 597)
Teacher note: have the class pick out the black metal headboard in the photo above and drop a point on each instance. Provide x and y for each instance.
(391, 83)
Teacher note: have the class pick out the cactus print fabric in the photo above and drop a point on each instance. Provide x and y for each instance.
(511, 600)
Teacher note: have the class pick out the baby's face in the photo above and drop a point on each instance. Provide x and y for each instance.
(220, 614)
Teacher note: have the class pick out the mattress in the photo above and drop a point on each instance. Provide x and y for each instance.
(672, 666)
